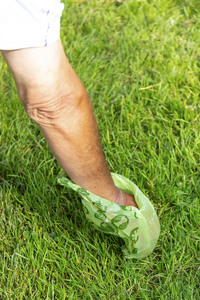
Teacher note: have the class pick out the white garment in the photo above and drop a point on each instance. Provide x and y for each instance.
(29, 23)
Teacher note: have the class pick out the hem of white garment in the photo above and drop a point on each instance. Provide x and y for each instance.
(29, 45)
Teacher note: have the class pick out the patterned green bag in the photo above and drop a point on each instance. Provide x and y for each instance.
(139, 228)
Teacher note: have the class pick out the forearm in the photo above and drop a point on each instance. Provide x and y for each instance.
(57, 101)
(75, 142)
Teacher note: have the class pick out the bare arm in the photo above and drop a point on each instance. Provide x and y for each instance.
(57, 101)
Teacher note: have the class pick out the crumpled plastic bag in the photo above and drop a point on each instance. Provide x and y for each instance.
(139, 228)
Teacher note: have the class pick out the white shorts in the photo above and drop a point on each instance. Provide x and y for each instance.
(29, 23)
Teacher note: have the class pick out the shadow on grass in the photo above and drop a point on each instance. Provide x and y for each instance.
(42, 205)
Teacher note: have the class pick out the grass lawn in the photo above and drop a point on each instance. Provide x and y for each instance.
(140, 63)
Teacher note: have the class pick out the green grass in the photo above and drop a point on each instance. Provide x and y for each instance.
(140, 63)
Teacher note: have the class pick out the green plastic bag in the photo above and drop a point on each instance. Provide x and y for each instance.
(139, 228)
